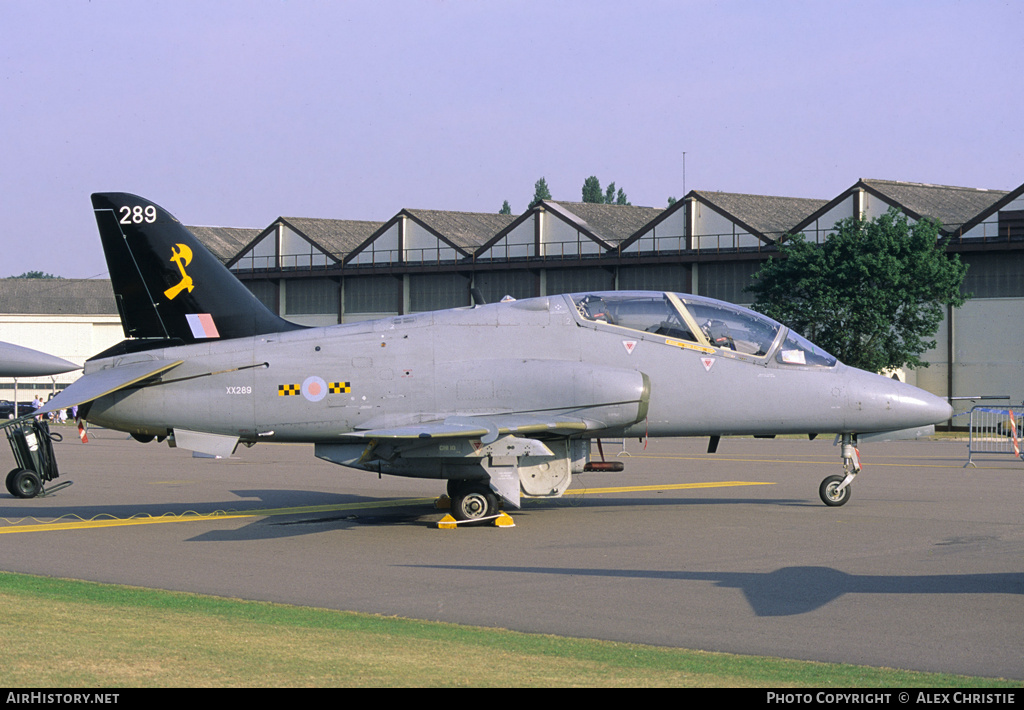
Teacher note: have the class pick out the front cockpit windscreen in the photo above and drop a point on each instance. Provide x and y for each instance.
(702, 321)
(798, 350)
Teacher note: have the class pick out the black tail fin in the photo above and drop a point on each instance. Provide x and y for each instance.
(167, 284)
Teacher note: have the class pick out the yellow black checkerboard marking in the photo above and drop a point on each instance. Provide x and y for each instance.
(332, 388)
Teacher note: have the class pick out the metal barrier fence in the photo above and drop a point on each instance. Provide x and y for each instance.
(995, 430)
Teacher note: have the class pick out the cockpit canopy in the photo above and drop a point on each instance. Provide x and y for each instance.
(704, 323)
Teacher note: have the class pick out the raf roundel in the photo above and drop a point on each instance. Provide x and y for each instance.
(314, 388)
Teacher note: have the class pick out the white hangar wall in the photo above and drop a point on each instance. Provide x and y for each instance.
(714, 231)
(72, 337)
(517, 244)
(819, 228)
(997, 226)
(667, 236)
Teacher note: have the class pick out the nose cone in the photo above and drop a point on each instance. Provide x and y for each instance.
(921, 406)
(880, 403)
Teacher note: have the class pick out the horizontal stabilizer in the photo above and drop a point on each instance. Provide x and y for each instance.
(97, 384)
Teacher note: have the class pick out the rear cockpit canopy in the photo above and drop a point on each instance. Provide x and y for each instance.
(703, 322)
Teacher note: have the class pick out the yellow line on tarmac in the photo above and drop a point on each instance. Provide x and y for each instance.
(192, 517)
(669, 487)
(716, 457)
(195, 517)
(117, 522)
(866, 462)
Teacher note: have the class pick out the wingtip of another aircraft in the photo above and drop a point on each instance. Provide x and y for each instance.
(19, 361)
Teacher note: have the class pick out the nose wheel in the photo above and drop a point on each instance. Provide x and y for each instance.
(836, 490)
(832, 492)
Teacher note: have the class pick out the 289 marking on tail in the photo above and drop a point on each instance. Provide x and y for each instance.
(138, 214)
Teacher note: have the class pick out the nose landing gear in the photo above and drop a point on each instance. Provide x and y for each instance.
(836, 490)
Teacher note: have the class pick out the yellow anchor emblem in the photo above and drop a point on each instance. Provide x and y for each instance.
(181, 255)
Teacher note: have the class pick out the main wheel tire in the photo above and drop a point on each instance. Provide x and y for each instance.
(830, 493)
(27, 484)
(474, 503)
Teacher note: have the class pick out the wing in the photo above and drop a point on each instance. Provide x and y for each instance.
(102, 382)
(497, 448)
(485, 427)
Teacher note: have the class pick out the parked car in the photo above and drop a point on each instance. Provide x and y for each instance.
(7, 409)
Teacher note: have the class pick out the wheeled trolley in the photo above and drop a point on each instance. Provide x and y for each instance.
(32, 445)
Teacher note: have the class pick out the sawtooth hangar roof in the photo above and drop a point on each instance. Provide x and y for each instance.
(700, 221)
(555, 229)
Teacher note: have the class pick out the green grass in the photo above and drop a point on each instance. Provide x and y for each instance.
(66, 633)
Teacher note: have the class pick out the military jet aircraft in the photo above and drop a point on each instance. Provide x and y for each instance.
(18, 361)
(498, 400)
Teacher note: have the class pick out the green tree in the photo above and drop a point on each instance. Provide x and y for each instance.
(505, 208)
(540, 192)
(592, 190)
(873, 294)
(609, 194)
(592, 193)
(34, 275)
(671, 201)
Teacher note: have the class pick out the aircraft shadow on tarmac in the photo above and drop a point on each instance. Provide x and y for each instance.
(794, 590)
(363, 512)
(247, 502)
(784, 592)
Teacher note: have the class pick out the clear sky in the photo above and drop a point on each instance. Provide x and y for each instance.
(235, 112)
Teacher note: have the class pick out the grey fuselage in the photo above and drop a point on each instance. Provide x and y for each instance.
(536, 357)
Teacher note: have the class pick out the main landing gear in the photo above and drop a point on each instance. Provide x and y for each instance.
(472, 500)
(836, 490)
